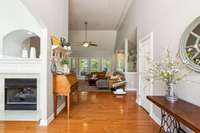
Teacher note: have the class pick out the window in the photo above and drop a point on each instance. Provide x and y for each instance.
(106, 64)
(83, 66)
(73, 64)
(69, 62)
(94, 64)
(131, 57)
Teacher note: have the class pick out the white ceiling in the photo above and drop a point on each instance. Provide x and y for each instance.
(100, 14)
(104, 39)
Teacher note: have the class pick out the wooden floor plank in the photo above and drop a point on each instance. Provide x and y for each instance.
(94, 113)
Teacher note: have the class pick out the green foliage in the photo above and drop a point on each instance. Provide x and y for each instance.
(107, 64)
(64, 62)
(83, 65)
(94, 64)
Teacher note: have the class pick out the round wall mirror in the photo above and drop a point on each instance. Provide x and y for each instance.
(190, 46)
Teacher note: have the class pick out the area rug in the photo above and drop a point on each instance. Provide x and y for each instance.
(83, 86)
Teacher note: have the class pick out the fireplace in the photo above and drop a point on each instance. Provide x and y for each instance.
(20, 94)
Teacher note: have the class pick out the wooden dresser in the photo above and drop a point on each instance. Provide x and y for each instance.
(64, 85)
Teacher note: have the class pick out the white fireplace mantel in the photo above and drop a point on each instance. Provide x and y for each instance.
(19, 115)
(20, 68)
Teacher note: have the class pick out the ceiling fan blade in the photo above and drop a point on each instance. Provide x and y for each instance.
(85, 43)
(93, 44)
(76, 45)
(75, 42)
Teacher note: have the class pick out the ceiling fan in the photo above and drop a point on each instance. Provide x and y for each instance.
(85, 43)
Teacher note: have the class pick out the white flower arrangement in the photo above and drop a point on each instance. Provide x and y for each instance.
(169, 70)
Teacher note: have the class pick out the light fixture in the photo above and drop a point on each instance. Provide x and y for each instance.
(85, 44)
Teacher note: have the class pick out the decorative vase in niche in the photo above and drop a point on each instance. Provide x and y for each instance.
(32, 53)
(170, 92)
(53, 66)
(24, 53)
(66, 69)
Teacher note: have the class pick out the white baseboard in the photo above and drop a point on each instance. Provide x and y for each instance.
(151, 114)
(130, 89)
(52, 116)
(138, 101)
(43, 122)
(19, 115)
(155, 118)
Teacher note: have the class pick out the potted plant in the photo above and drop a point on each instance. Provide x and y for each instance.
(65, 62)
(170, 70)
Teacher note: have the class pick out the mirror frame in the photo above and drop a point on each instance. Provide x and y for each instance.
(183, 43)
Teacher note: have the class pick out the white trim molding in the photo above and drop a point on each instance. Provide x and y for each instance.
(155, 118)
(130, 89)
(52, 116)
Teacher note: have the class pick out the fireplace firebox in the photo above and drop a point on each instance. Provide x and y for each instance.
(20, 94)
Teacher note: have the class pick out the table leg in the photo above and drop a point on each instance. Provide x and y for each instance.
(55, 104)
(169, 124)
(68, 105)
(77, 96)
(162, 120)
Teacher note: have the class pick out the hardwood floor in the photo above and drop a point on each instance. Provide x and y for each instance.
(95, 113)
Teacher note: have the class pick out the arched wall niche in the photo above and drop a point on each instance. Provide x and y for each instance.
(14, 42)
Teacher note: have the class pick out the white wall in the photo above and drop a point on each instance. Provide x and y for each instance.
(131, 78)
(54, 14)
(15, 16)
(167, 20)
(10, 11)
(127, 30)
(104, 38)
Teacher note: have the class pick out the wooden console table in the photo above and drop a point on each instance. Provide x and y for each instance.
(64, 85)
(175, 113)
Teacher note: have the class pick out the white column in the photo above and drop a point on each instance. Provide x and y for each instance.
(44, 79)
(126, 56)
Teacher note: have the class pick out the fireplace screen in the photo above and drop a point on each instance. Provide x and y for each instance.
(20, 94)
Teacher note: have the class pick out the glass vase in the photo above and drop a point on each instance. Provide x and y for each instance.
(170, 92)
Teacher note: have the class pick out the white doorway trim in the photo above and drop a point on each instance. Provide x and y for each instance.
(145, 47)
